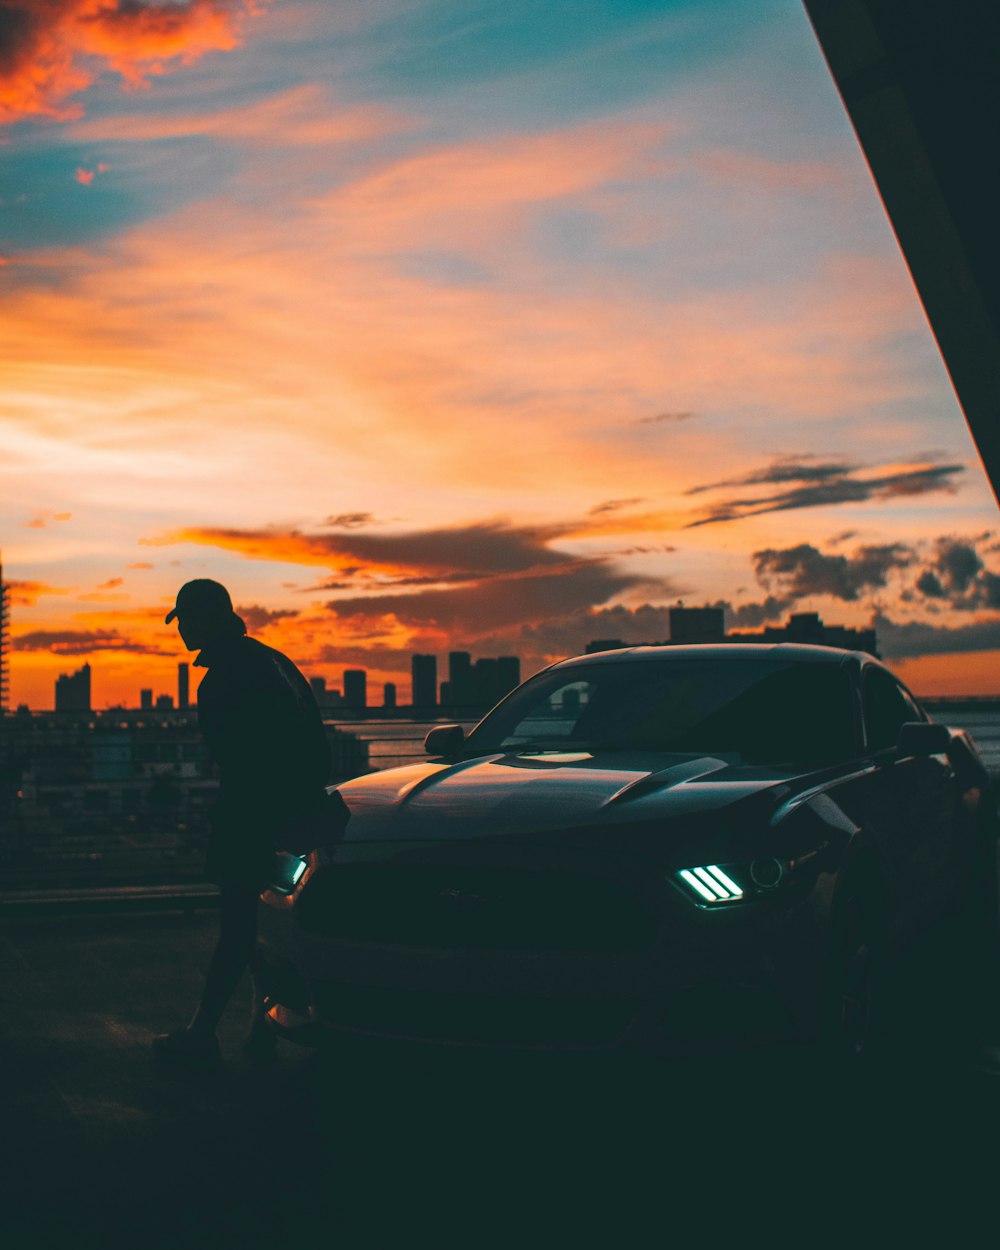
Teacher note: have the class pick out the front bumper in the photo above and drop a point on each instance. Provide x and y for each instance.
(710, 979)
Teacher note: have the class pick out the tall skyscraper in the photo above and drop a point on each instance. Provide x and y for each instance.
(355, 687)
(423, 670)
(73, 691)
(508, 674)
(4, 628)
(145, 700)
(697, 625)
(485, 676)
(183, 685)
(461, 689)
(389, 694)
(319, 689)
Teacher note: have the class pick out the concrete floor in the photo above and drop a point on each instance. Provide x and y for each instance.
(376, 1140)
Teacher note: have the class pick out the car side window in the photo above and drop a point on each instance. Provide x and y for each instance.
(887, 707)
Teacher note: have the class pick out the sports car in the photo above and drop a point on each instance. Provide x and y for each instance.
(663, 846)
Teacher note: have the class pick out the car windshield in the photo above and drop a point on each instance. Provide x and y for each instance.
(763, 711)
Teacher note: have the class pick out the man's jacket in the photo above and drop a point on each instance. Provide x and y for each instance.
(264, 730)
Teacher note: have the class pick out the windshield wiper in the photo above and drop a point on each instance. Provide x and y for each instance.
(543, 748)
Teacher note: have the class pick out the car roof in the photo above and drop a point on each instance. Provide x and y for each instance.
(793, 651)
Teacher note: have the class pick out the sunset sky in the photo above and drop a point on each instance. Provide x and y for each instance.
(461, 324)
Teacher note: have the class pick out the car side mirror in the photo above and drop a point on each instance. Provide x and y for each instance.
(445, 741)
(922, 738)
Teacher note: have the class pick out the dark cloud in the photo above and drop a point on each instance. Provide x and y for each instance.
(824, 486)
(916, 638)
(542, 642)
(111, 583)
(754, 615)
(500, 603)
(485, 548)
(613, 505)
(257, 617)
(956, 575)
(786, 469)
(82, 642)
(804, 570)
(929, 584)
(657, 417)
(350, 520)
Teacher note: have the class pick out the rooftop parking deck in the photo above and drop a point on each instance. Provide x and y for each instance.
(102, 1149)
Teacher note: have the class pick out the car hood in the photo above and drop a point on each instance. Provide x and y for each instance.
(506, 794)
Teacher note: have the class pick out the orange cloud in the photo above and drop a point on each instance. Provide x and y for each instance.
(41, 519)
(84, 176)
(27, 593)
(56, 48)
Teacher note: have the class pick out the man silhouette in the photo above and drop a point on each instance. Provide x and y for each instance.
(264, 730)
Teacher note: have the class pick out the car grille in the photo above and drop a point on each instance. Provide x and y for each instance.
(492, 1020)
(454, 908)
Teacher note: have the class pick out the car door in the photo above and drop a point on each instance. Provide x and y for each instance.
(914, 801)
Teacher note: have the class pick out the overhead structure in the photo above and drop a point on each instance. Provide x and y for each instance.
(4, 642)
(921, 85)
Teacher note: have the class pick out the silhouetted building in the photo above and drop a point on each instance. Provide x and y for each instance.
(461, 687)
(688, 625)
(806, 627)
(355, 688)
(571, 701)
(146, 700)
(164, 703)
(318, 685)
(4, 641)
(183, 686)
(508, 674)
(389, 694)
(73, 691)
(423, 673)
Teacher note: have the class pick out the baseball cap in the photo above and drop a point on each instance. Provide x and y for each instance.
(200, 598)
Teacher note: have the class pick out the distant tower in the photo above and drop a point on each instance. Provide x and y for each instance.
(508, 674)
(145, 700)
(319, 690)
(4, 628)
(389, 694)
(461, 690)
(355, 687)
(73, 691)
(423, 670)
(183, 686)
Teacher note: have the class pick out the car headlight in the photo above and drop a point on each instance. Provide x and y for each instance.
(721, 885)
(286, 873)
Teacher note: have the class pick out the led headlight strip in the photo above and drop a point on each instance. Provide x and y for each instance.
(711, 884)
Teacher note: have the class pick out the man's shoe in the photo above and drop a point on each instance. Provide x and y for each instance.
(184, 1049)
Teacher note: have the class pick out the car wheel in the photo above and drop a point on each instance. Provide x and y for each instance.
(854, 1000)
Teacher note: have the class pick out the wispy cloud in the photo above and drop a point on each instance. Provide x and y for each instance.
(302, 116)
(81, 642)
(826, 486)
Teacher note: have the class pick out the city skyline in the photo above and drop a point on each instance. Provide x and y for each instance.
(482, 682)
(428, 326)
